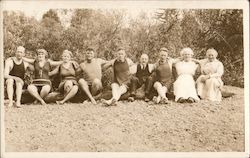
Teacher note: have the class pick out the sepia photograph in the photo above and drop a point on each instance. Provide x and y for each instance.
(124, 77)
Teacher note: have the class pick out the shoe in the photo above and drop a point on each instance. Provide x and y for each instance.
(131, 99)
(156, 99)
(113, 102)
(146, 99)
(164, 101)
(181, 100)
(190, 100)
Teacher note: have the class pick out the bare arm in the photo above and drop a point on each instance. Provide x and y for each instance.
(54, 63)
(29, 60)
(108, 64)
(53, 72)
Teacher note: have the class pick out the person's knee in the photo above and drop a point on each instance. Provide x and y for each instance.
(150, 78)
(211, 81)
(82, 82)
(157, 85)
(68, 85)
(10, 82)
(97, 83)
(31, 88)
(114, 85)
(19, 85)
(46, 88)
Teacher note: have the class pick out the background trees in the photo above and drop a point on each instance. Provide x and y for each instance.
(105, 30)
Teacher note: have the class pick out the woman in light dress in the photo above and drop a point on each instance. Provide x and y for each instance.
(184, 86)
(209, 84)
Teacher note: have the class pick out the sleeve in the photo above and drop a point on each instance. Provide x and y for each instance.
(133, 69)
(151, 67)
(219, 71)
(130, 62)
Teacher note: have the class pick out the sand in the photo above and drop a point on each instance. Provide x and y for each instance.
(128, 127)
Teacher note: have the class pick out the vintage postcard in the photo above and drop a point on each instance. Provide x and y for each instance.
(124, 78)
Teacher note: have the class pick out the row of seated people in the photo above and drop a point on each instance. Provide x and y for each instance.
(167, 78)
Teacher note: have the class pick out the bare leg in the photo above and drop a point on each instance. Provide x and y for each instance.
(19, 88)
(117, 91)
(72, 92)
(96, 86)
(10, 90)
(84, 85)
(161, 90)
(45, 91)
(34, 92)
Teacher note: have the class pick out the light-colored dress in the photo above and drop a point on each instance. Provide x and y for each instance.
(211, 88)
(184, 86)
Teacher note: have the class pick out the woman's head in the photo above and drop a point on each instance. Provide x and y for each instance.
(121, 54)
(42, 54)
(66, 55)
(211, 54)
(186, 53)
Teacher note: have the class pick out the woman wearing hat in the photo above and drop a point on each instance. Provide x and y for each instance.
(184, 86)
(41, 84)
(209, 84)
(67, 71)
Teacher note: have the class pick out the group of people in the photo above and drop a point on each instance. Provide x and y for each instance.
(127, 76)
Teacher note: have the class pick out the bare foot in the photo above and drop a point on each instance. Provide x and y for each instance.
(10, 104)
(93, 101)
(105, 102)
(164, 100)
(157, 99)
(18, 104)
(59, 102)
(113, 102)
(43, 102)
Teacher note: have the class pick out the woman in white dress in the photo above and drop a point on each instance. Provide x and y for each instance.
(209, 84)
(184, 86)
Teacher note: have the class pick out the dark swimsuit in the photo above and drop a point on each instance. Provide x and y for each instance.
(18, 70)
(164, 74)
(42, 74)
(67, 74)
(121, 72)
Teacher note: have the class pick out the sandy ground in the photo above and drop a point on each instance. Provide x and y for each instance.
(136, 126)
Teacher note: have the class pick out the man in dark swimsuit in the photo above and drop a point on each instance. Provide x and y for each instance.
(122, 77)
(14, 72)
(142, 76)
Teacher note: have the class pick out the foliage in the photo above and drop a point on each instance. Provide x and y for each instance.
(105, 30)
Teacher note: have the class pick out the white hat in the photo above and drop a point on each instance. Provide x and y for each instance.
(21, 49)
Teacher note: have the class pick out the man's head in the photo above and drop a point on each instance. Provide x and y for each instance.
(121, 54)
(163, 54)
(144, 59)
(90, 53)
(20, 52)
